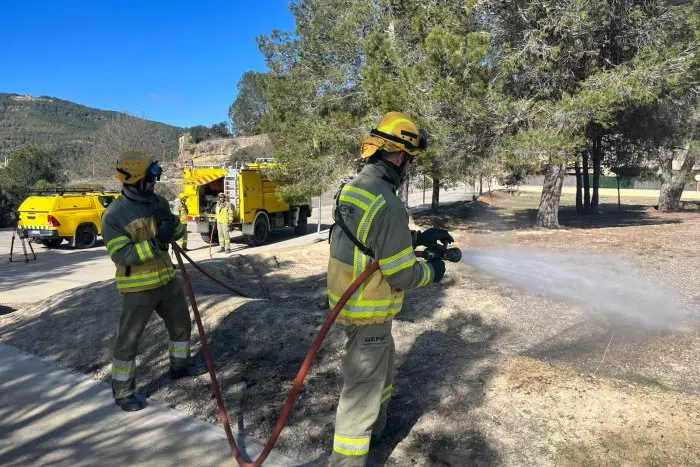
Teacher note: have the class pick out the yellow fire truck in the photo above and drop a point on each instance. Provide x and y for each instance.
(252, 194)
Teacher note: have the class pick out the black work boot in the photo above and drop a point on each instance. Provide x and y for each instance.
(194, 369)
(130, 403)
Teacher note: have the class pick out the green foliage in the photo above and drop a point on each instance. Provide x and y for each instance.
(29, 166)
(219, 130)
(198, 133)
(201, 133)
(248, 110)
(249, 154)
(518, 86)
(571, 69)
(316, 108)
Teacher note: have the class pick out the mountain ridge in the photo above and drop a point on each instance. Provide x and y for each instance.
(62, 124)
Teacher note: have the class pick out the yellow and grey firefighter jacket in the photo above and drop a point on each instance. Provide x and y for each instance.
(129, 228)
(224, 212)
(371, 210)
(182, 213)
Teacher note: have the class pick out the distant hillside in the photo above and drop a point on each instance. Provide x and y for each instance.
(63, 124)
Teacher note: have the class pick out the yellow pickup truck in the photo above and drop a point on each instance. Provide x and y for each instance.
(51, 216)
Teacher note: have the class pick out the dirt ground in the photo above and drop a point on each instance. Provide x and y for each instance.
(488, 373)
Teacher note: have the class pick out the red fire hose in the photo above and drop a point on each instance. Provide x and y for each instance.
(305, 366)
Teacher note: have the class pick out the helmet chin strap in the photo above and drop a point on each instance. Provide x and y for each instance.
(403, 168)
(144, 186)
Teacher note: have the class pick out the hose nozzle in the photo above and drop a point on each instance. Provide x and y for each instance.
(453, 254)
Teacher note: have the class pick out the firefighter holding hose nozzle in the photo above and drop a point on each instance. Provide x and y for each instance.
(372, 225)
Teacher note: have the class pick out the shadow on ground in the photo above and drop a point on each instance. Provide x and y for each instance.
(435, 381)
(259, 345)
(502, 215)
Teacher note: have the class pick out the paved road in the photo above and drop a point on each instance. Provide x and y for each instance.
(63, 268)
(51, 416)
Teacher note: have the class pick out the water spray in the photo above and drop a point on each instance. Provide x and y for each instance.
(606, 284)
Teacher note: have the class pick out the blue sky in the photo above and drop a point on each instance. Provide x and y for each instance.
(175, 61)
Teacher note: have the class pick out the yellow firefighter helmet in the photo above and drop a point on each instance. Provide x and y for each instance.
(395, 132)
(135, 166)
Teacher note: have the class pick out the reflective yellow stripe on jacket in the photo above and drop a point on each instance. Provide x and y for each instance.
(159, 277)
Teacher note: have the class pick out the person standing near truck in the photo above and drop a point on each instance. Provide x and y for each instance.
(224, 215)
(138, 228)
(183, 213)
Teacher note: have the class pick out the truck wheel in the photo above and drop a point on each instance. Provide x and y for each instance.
(85, 236)
(260, 231)
(302, 223)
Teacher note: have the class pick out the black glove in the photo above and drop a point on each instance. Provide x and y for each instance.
(166, 230)
(432, 236)
(439, 268)
(163, 214)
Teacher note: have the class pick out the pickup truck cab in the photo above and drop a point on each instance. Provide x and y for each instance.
(51, 217)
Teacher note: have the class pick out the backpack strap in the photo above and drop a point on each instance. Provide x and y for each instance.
(341, 223)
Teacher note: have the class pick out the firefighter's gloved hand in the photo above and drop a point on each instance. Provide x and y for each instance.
(163, 215)
(166, 231)
(438, 268)
(432, 236)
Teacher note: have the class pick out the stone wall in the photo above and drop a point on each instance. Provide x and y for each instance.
(218, 151)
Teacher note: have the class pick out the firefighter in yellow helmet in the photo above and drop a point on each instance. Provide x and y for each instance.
(224, 215)
(372, 225)
(183, 213)
(137, 228)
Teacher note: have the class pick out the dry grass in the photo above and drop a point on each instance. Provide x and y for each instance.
(487, 373)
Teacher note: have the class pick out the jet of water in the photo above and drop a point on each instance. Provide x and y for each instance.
(605, 283)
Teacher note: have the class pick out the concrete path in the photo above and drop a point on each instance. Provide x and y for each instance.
(50, 415)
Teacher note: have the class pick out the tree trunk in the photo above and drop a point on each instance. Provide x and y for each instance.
(435, 204)
(672, 186)
(619, 204)
(670, 197)
(586, 185)
(481, 186)
(597, 158)
(548, 214)
(579, 194)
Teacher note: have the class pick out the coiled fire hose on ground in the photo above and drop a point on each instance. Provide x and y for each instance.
(451, 254)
